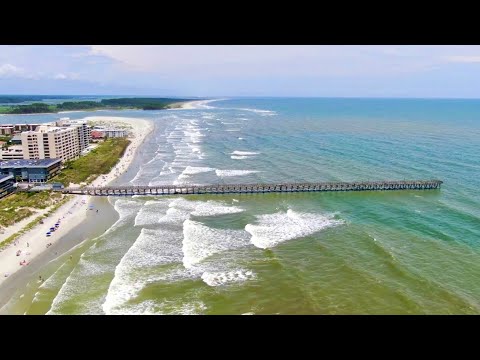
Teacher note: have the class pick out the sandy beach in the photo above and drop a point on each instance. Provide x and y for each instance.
(194, 104)
(34, 242)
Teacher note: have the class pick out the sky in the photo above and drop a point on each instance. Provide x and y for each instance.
(418, 71)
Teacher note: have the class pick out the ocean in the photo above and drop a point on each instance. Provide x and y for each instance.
(385, 252)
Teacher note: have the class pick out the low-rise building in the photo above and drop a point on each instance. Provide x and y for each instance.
(10, 129)
(6, 185)
(6, 130)
(34, 171)
(13, 152)
(16, 139)
(114, 133)
(97, 134)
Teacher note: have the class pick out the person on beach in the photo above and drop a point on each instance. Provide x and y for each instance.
(28, 245)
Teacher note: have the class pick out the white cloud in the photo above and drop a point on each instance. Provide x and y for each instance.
(464, 58)
(9, 70)
(264, 60)
(67, 76)
(169, 62)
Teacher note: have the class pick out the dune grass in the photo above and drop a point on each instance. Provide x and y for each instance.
(18, 206)
(33, 223)
(97, 162)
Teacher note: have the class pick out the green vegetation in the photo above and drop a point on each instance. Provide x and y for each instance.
(98, 161)
(34, 108)
(31, 224)
(14, 99)
(19, 205)
(80, 105)
(133, 103)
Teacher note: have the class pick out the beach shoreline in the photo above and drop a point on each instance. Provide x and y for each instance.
(197, 104)
(34, 242)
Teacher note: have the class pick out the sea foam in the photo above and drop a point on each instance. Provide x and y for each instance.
(240, 157)
(238, 152)
(228, 277)
(273, 229)
(148, 214)
(192, 170)
(152, 248)
(201, 241)
(227, 173)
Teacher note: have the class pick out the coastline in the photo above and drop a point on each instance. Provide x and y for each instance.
(34, 242)
(190, 105)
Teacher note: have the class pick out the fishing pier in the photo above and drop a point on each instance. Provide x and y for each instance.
(185, 189)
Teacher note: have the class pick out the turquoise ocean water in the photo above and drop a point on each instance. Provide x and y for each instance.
(404, 252)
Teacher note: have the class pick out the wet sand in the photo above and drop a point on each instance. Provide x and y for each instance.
(94, 225)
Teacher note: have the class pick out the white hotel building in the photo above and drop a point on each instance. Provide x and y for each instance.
(84, 132)
(49, 142)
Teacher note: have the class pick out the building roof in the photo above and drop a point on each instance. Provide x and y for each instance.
(18, 124)
(17, 137)
(79, 122)
(5, 177)
(31, 163)
(44, 129)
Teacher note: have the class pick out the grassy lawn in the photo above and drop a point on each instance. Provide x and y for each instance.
(16, 206)
(98, 161)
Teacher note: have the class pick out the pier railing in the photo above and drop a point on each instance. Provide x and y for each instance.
(186, 189)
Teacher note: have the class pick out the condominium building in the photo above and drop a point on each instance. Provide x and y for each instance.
(83, 130)
(49, 142)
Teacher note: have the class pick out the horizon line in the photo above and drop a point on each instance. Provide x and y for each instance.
(254, 96)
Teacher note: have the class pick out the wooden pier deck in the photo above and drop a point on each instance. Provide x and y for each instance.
(253, 188)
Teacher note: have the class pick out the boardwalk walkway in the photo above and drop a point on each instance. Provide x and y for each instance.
(254, 188)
